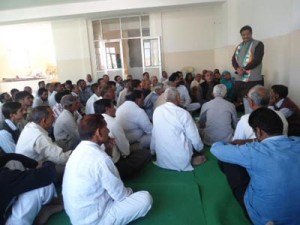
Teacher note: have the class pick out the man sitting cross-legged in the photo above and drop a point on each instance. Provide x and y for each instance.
(128, 162)
(175, 135)
(35, 143)
(273, 165)
(25, 187)
(134, 120)
(92, 189)
(218, 117)
(258, 97)
(65, 128)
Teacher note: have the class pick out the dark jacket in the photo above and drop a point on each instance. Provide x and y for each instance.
(16, 182)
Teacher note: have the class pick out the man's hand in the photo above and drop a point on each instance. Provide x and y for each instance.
(242, 142)
(240, 71)
(109, 145)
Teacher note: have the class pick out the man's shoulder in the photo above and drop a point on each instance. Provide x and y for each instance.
(245, 117)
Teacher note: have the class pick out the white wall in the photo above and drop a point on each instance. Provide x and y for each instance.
(72, 49)
(277, 24)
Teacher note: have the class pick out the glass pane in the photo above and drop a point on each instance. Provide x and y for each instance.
(151, 52)
(154, 53)
(113, 58)
(96, 30)
(131, 27)
(98, 56)
(132, 56)
(145, 26)
(111, 29)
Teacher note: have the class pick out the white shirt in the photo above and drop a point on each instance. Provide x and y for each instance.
(39, 102)
(174, 136)
(285, 111)
(121, 98)
(243, 130)
(185, 98)
(133, 120)
(91, 184)
(118, 133)
(51, 99)
(89, 107)
(35, 143)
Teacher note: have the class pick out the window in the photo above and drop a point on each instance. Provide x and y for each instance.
(124, 46)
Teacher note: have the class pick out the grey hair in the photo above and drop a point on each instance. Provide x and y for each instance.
(39, 113)
(219, 90)
(260, 95)
(171, 94)
(158, 86)
(68, 100)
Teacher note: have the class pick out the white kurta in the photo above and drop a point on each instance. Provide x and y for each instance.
(118, 133)
(243, 130)
(89, 107)
(174, 136)
(134, 121)
(92, 186)
(35, 143)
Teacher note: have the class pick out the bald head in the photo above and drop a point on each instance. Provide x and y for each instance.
(259, 96)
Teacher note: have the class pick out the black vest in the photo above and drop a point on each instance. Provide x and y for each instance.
(14, 133)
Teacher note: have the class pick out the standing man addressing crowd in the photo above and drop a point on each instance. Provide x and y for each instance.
(247, 61)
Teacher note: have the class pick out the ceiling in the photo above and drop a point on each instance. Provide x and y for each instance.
(16, 11)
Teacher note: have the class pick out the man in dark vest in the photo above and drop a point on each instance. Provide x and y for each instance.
(247, 62)
(13, 113)
(290, 110)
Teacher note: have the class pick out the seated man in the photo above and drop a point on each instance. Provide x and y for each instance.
(162, 98)
(273, 163)
(58, 107)
(218, 118)
(151, 99)
(258, 96)
(92, 189)
(41, 99)
(175, 135)
(129, 163)
(13, 113)
(4, 97)
(134, 120)
(65, 128)
(185, 99)
(24, 192)
(290, 110)
(89, 108)
(34, 141)
(205, 93)
(26, 99)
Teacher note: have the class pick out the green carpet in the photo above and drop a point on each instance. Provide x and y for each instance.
(200, 197)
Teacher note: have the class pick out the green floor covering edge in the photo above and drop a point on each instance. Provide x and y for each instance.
(201, 197)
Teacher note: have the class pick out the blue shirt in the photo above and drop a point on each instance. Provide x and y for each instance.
(274, 168)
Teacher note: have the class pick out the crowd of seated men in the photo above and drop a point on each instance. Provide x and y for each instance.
(91, 136)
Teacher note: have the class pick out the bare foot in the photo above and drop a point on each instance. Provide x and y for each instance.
(198, 160)
(47, 211)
